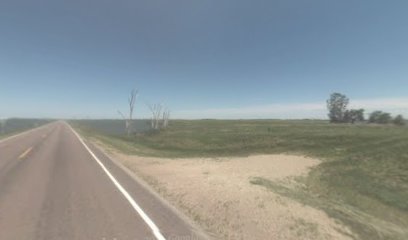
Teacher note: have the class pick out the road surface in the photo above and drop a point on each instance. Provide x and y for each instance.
(54, 186)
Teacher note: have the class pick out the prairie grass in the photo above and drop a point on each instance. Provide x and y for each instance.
(362, 181)
(15, 125)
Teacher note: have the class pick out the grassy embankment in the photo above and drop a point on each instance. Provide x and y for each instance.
(362, 181)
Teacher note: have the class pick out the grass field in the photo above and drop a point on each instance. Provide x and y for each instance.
(15, 125)
(113, 127)
(362, 181)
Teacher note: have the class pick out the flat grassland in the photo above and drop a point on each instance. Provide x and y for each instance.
(361, 180)
(14, 125)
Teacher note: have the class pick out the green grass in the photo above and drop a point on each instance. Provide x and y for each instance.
(362, 182)
(13, 126)
(114, 127)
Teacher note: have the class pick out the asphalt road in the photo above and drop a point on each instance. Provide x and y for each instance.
(55, 186)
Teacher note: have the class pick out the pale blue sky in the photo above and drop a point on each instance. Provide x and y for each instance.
(212, 58)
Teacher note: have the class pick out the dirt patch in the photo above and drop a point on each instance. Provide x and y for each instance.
(217, 194)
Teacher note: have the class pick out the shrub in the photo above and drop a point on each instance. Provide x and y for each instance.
(380, 117)
(399, 120)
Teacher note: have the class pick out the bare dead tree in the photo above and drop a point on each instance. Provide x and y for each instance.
(126, 121)
(166, 117)
(131, 103)
(156, 114)
(160, 116)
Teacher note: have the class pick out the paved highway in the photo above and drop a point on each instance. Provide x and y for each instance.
(54, 186)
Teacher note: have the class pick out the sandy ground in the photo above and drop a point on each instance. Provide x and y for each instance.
(217, 194)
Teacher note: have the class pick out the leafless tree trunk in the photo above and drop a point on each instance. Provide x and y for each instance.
(166, 117)
(131, 102)
(160, 116)
(126, 122)
(156, 113)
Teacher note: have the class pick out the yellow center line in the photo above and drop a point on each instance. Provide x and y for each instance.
(25, 153)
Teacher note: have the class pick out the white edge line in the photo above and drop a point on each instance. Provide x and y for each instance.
(132, 202)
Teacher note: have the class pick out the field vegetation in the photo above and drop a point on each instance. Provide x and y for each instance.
(362, 180)
(15, 125)
(112, 127)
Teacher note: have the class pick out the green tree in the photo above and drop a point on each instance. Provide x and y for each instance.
(360, 115)
(380, 117)
(337, 105)
(353, 115)
(385, 118)
(399, 120)
(374, 116)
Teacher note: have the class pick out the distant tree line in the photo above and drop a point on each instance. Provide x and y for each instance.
(339, 113)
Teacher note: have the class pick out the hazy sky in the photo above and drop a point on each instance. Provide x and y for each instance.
(202, 58)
